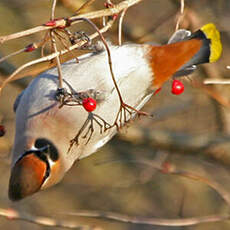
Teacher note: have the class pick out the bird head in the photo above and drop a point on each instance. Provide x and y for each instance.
(37, 168)
(42, 139)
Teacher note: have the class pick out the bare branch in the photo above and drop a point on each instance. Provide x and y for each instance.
(216, 81)
(217, 187)
(151, 221)
(12, 214)
(108, 52)
(85, 5)
(213, 92)
(181, 15)
(120, 26)
(13, 76)
(48, 221)
(116, 9)
(169, 169)
(53, 9)
(54, 44)
(12, 54)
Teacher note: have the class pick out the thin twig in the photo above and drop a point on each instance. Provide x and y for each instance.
(216, 81)
(123, 106)
(12, 54)
(171, 169)
(53, 9)
(61, 40)
(54, 44)
(43, 221)
(85, 5)
(217, 187)
(181, 15)
(120, 26)
(211, 91)
(33, 46)
(51, 222)
(151, 220)
(182, 6)
(45, 39)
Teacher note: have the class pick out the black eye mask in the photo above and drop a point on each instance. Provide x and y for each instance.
(49, 148)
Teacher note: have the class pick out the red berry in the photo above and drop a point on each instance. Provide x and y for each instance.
(2, 130)
(177, 87)
(89, 104)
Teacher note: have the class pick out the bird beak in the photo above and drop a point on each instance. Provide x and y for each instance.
(27, 175)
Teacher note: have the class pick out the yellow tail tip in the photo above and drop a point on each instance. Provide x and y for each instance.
(213, 34)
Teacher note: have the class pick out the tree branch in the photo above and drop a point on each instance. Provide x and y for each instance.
(12, 214)
(151, 221)
(14, 75)
(116, 9)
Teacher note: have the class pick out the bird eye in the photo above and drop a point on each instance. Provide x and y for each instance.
(52, 150)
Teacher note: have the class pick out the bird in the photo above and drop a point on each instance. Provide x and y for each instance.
(54, 127)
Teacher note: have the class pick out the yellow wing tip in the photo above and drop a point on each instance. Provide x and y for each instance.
(213, 34)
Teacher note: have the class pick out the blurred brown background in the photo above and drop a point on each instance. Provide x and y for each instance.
(191, 131)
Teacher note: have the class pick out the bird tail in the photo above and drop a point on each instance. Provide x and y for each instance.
(181, 57)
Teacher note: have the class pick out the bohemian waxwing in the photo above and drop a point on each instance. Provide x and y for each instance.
(43, 150)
